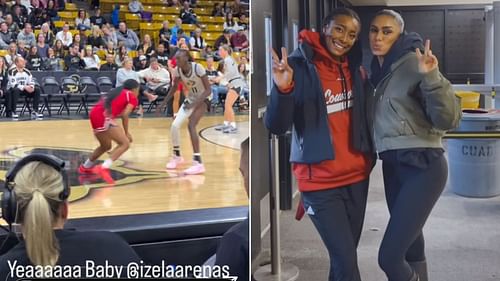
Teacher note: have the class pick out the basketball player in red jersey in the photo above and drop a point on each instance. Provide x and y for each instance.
(119, 102)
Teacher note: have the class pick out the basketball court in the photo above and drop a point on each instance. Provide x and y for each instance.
(142, 184)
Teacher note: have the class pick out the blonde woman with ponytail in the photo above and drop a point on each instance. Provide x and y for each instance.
(42, 214)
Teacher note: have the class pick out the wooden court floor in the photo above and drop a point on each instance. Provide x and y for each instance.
(142, 185)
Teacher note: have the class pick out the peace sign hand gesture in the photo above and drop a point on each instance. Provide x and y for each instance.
(282, 72)
(427, 61)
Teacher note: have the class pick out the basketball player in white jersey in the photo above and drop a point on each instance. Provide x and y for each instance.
(194, 77)
(235, 86)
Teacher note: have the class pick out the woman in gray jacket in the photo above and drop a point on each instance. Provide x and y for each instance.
(412, 107)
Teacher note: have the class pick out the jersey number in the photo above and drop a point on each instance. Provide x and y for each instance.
(195, 91)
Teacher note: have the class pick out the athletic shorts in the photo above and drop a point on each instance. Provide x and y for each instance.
(101, 123)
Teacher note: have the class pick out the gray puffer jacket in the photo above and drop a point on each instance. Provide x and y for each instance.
(411, 109)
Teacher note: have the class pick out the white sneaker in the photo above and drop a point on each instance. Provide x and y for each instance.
(196, 169)
(15, 117)
(221, 127)
(36, 116)
(174, 162)
(230, 130)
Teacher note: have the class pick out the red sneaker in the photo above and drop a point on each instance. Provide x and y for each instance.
(83, 170)
(105, 174)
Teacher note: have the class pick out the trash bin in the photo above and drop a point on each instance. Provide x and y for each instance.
(475, 163)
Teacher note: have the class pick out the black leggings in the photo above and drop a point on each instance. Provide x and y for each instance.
(414, 179)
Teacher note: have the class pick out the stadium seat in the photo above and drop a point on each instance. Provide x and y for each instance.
(71, 88)
(202, 11)
(132, 54)
(51, 90)
(70, 7)
(105, 84)
(132, 20)
(188, 27)
(171, 10)
(217, 28)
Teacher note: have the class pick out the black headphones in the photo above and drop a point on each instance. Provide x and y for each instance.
(9, 203)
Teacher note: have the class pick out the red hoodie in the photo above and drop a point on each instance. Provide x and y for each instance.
(349, 165)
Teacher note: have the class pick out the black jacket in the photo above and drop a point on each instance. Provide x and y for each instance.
(305, 111)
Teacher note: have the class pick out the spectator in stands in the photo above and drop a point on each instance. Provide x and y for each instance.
(83, 35)
(4, 8)
(177, 26)
(52, 11)
(59, 51)
(23, 7)
(21, 49)
(82, 20)
(108, 35)
(19, 17)
(33, 60)
(21, 83)
(181, 36)
(90, 60)
(243, 22)
(36, 18)
(197, 42)
(73, 61)
(217, 11)
(13, 26)
(120, 57)
(244, 60)
(147, 46)
(214, 77)
(77, 40)
(161, 55)
(95, 39)
(230, 24)
(61, 5)
(27, 35)
(239, 41)
(143, 63)
(187, 14)
(165, 35)
(11, 54)
(52, 63)
(5, 36)
(128, 36)
(126, 72)
(48, 34)
(97, 19)
(42, 213)
(65, 36)
(238, 8)
(224, 39)
(110, 49)
(135, 7)
(207, 52)
(110, 64)
(3, 76)
(158, 80)
(42, 47)
(115, 16)
(233, 246)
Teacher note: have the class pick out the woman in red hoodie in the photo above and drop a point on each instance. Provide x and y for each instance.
(320, 92)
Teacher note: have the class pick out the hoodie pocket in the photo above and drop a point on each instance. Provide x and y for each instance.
(401, 125)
